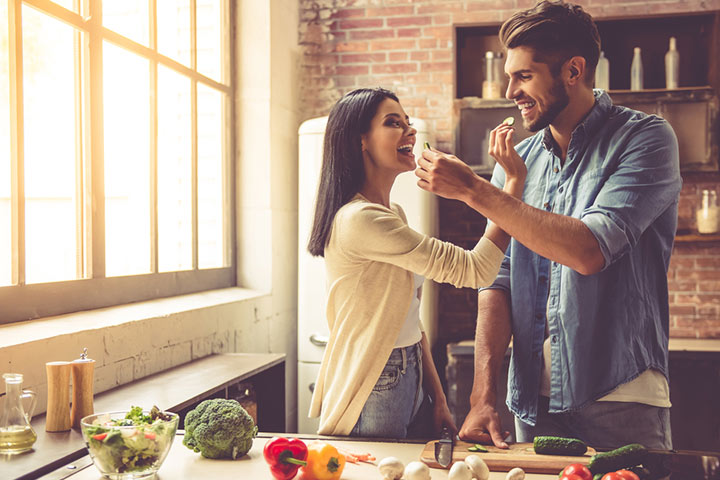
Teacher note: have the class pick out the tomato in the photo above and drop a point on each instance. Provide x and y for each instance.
(100, 436)
(611, 476)
(571, 476)
(628, 475)
(578, 469)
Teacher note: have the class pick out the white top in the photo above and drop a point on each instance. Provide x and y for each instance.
(411, 331)
(649, 388)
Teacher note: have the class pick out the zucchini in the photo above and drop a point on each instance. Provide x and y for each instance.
(623, 457)
(559, 446)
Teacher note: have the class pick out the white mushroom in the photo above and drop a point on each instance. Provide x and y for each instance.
(515, 474)
(417, 471)
(478, 466)
(391, 468)
(460, 471)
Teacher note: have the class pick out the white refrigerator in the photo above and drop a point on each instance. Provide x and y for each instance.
(421, 210)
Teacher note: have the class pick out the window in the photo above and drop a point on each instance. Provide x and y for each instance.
(116, 180)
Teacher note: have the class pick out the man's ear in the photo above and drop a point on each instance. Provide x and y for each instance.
(575, 69)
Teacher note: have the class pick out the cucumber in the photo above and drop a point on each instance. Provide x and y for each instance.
(558, 446)
(509, 121)
(623, 457)
(427, 146)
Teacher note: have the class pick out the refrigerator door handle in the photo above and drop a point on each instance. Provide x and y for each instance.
(319, 340)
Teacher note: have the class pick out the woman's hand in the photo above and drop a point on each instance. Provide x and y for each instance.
(502, 149)
(442, 416)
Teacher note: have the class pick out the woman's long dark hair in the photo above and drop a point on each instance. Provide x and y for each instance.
(343, 173)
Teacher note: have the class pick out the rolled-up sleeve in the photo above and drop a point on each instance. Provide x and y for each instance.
(645, 183)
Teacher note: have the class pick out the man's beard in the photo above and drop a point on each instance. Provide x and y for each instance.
(559, 100)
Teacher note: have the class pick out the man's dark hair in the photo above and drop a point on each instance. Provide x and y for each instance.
(556, 31)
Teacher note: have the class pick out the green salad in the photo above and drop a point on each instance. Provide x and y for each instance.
(133, 443)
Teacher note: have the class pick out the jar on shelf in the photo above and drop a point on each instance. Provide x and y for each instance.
(708, 215)
(494, 82)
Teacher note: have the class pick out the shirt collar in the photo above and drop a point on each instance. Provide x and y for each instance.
(589, 125)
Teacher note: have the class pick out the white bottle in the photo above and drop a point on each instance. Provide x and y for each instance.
(672, 66)
(602, 73)
(636, 71)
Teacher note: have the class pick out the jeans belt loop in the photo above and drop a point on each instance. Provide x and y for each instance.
(404, 360)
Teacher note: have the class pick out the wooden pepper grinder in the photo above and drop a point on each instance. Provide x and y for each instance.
(57, 418)
(82, 375)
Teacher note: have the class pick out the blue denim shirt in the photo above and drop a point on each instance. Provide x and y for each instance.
(621, 178)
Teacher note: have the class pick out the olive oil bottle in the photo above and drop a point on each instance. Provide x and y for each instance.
(16, 434)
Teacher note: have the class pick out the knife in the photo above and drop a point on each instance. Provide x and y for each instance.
(444, 447)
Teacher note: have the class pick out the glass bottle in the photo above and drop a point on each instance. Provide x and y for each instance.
(707, 216)
(16, 434)
(672, 66)
(636, 71)
(492, 86)
(602, 73)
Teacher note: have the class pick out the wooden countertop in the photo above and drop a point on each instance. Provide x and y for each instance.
(172, 389)
(184, 464)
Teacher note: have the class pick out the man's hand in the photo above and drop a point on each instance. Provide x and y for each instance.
(445, 175)
(482, 425)
(502, 148)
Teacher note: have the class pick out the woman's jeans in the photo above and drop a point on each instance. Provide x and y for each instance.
(603, 424)
(395, 400)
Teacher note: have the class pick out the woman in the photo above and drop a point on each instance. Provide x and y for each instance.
(377, 366)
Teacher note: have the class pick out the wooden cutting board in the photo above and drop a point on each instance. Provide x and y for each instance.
(500, 460)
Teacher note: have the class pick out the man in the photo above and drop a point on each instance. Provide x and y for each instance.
(583, 289)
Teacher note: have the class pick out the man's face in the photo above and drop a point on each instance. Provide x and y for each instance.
(539, 94)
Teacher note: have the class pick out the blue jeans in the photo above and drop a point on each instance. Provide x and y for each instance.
(603, 425)
(396, 398)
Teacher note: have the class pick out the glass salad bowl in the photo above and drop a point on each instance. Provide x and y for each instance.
(129, 444)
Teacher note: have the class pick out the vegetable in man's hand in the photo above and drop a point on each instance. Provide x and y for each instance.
(285, 456)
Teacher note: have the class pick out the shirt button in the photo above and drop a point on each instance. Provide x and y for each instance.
(546, 206)
(560, 189)
(554, 339)
(555, 169)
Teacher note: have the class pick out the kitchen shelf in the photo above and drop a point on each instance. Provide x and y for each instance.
(697, 238)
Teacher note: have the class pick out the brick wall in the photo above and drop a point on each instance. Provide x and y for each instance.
(407, 46)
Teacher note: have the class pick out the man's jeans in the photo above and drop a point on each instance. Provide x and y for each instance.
(396, 397)
(603, 424)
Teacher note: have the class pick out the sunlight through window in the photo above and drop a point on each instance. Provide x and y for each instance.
(51, 251)
(127, 162)
(5, 211)
(119, 188)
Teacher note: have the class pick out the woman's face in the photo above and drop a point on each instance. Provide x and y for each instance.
(389, 143)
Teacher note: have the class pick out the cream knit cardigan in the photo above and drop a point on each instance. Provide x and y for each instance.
(369, 260)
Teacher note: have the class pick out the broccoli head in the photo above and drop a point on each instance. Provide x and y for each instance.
(219, 428)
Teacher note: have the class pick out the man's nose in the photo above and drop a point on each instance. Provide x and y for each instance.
(511, 91)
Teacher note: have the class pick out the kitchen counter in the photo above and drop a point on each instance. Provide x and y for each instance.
(184, 464)
(176, 389)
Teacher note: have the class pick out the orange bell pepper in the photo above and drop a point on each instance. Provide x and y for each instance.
(324, 462)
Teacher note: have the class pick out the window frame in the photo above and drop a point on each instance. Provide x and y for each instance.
(21, 301)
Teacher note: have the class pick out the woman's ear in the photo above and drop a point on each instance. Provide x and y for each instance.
(363, 143)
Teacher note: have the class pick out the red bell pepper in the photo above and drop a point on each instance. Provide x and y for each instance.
(285, 456)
